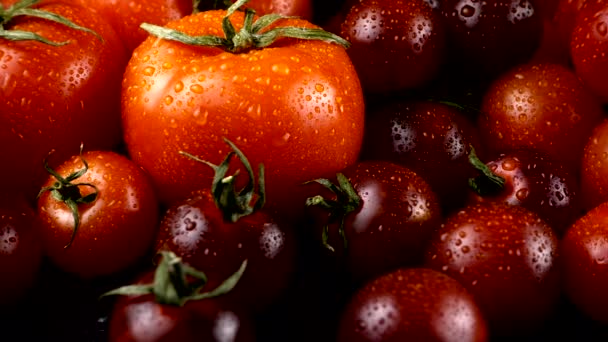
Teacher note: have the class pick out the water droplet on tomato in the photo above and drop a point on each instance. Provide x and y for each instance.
(197, 88)
(466, 249)
(467, 11)
(149, 71)
(168, 100)
(179, 86)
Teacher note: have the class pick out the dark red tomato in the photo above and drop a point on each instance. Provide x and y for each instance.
(594, 171)
(413, 305)
(295, 106)
(538, 183)
(296, 8)
(589, 46)
(196, 231)
(432, 139)
(547, 7)
(584, 251)
(57, 96)
(565, 19)
(141, 318)
(20, 248)
(395, 44)
(506, 257)
(488, 37)
(541, 107)
(115, 230)
(397, 214)
(126, 16)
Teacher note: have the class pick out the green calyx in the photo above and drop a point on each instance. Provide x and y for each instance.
(250, 36)
(487, 183)
(66, 191)
(23, 8)
(176, 283)
(347, 201)
(234, 203)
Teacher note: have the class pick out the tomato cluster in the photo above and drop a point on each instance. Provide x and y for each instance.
(296, 170)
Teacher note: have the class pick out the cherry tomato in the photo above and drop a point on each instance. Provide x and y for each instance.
(195, 229)
(584, 256)
(428, 137)
(295, 106)
(115, 230)
(542, 107)
(506, 257)
(488, 37)
(538, 183)
(415, 304)
(57, 96)
(395, 214)
(396, 45)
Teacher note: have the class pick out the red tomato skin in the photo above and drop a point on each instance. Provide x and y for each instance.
(20, 248)
(297, 8)
(285, 106)
(396, 45)
(196, 231)
(141, 318)
(416, 304)
(126, 16)
(594, 169)
(589, 46)
(540, 107)
(584, 251)
(398, 214)
(115, 231)
(57, 97)
(506, 257)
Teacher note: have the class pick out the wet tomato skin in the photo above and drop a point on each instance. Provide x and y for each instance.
(506, 257)
(57, 96)
(429, 138)
(594, 169)
(141, 318)
(398, 214)
(541, 107)
(20, 248)
(584, 251)
(196, 231)
(538, 183)
(414, 304)
(489, 37)
(115, 231)
(286, 106)
(396, 45)
(589, 46)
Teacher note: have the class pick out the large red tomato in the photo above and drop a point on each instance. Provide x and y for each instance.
(57, 96)
(295, 106)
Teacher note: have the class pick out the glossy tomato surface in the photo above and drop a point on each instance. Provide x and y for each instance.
(414, 304)
(115, 230)
(296, 107)
(56, 97)
(506, 256)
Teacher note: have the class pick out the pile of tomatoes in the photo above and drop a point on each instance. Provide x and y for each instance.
(345, 170)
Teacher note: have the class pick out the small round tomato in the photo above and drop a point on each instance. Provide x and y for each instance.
(413, 305)
(506, 257)
(488, 37)
(296, 106)
(104, 221)
(584, 258)
(57, 96)
(542, 107)
(396, 45)
(20, 248)
(429, 138)
(384, 217)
